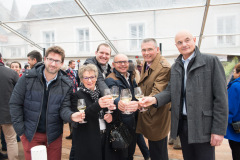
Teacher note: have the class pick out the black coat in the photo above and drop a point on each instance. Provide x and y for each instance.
(86, 137)
(27, 99)
(8, 79)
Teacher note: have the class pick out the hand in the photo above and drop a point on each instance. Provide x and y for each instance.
(132, 106)
(112, 107)
(78, 116)
(147, 101)
(216, 140)
(106, 101)
(108, 118)
(121, 105)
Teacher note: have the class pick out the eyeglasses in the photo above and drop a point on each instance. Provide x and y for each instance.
(52, 60)
(121, 62)
(180, 43)
(91, 78)
(147, 50)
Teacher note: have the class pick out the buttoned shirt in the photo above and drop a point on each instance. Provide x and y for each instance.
(186, 62)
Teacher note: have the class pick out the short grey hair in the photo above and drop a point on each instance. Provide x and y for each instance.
(88, 67)
(150, 40)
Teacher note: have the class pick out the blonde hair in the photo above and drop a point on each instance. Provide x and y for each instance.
(88, 67)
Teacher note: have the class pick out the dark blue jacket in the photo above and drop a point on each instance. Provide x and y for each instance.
(234, 109)
(26, 104)
(116, 79)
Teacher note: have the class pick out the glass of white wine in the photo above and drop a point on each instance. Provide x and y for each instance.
(81, 107)
(139, 95)
(126, 97)
(115, 92)
(106, 93)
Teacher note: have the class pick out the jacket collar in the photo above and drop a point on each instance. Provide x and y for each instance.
(153, 67)
(198, 60)
(119, 76)
(230, 83)
(99, 65)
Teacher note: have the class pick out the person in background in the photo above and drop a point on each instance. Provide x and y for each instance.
(73, 76)
(40, 102)
(197, 91)
(140, 139)
(154, 124)
(34, 57)
(8, 81)
(16, 66)
(234, 112)
(26, 67)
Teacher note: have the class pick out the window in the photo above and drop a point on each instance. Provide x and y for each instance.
(15, 52)
(226, 25)
(83, 39)
(136, 35)
(48, 38)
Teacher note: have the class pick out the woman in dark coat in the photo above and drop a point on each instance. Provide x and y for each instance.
(90, 141)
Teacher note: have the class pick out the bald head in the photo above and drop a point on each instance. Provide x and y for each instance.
(120, 63)
(120, 55)
(185, 43)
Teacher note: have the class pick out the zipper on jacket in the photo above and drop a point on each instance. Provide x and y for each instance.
(40, 110)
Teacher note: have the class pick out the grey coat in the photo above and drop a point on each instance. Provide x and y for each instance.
(206, 97)
(8, 79)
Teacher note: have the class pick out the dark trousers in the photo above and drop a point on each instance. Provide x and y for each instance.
(142, 146)
(195, 151)
(158, 149)
(235, 147)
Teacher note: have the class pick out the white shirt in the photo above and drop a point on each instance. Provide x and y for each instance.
(186, 62)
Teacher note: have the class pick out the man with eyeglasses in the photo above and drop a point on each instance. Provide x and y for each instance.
(197, 91)
(124, 79)
(40, 102)
(154, 124)
(102, 56)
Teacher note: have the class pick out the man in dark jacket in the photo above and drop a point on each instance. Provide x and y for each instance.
(34, 57)
(197, 90)
(101, 59)
(39, 104)
(123, 79)
(7, 82)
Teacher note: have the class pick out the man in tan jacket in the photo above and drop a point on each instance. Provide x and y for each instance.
(154, 124)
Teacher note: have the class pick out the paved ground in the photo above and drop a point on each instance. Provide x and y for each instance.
(222, 153)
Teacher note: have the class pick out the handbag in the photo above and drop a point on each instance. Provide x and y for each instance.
(120, 137)
(236, 126)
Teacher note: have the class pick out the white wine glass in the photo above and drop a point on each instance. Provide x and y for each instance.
(115, 92)
(139, 95)
(107, 92)
(126, 97)
(81, 107)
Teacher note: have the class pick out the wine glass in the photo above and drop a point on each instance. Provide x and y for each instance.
(139, 95)
(115, 92)
(126, 97)
(81, 107)
(106, 93)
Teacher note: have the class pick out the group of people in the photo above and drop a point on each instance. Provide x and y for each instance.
(189, 98)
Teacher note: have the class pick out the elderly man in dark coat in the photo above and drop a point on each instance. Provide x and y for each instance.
(7, 82)
(197, 90)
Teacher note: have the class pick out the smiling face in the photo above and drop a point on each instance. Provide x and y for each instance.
(149, 51)
(121, 63)
(185, 43)
(89, 79)
(103, 55)
(15, 67)
(53, 63)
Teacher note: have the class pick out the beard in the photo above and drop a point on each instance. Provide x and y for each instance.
(51, 71)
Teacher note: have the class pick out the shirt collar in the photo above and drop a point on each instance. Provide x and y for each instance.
(46, 78)
(189, 58)
(128, 74)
